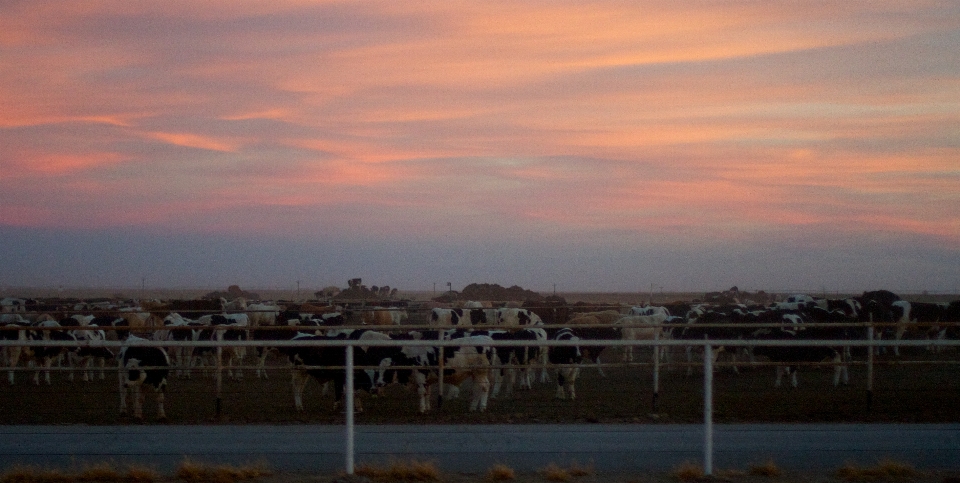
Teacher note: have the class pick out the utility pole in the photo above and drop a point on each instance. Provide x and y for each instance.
(298, 290)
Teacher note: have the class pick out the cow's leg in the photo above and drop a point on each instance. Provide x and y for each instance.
(544, 363)
(88, 369)
(598, 362)
(481, 391)
(36, 374)
(161, 396)
(240, 353)
(497, 382)
(47, 364)
(422, 391)
(793, 376)
(262, 364)
(689, 351)
(561, 381)
(299, 381)
(571, 381)
(12, 358)
(899, 335)
(779, 376)
(123, 399)
(137, 401)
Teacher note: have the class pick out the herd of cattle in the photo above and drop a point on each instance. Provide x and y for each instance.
(477, 326)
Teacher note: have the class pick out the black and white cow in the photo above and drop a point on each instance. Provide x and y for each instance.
(139, 366)
(569, 358)
(325, 363)
(469, 362)
(786, 355)
(13, 327)
(918, 316)
(445, 317)
(526, 357)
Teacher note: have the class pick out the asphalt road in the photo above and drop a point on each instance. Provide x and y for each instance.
(468, 448)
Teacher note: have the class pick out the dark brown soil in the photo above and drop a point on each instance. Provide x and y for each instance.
(917, 387)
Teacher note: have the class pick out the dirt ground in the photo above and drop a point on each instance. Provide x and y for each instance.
(918, 387)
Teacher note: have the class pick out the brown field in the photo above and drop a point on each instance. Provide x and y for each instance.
(917, 387)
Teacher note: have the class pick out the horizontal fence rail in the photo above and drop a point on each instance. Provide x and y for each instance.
(709, 347)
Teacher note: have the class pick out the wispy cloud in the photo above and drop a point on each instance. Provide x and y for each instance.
(610, 124)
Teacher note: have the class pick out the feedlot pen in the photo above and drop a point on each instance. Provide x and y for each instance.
(919, 386)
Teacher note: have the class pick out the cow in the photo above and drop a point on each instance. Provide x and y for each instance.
(325, 363)
(48, 330)
(179, 329)
(383, 316)
(230, 327)
(513, 317)
(139, 366)
(471, 361)
(87, 356)
(569, 358)
(908, 315)
(581, 326)
(790, 356)
(447, 317)
(525, 357)
(642, 327)
(13, 327)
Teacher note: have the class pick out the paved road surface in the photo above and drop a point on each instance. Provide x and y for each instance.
(477, 447)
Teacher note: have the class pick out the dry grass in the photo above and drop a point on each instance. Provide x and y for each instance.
(28, 474)
(500, 473)
(139, 474)
(200, 473)
(768, 469)
(884, 470)
(578, 471)
(400, 471)
(552, 472)
(99, 473)
(687, 471)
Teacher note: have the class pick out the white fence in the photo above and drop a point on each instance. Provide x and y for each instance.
(349, 345)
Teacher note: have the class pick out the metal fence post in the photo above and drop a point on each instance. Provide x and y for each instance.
(348, 449)
(656, 370)
(870, 356)
(707, 409)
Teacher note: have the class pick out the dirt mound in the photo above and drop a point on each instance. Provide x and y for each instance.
(490, 292)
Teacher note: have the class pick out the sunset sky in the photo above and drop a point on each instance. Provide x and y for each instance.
(696, 145)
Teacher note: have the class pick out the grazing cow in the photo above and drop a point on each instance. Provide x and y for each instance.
(140, 366)
(526, 357)
(446, 317)
(383, 316)
(10, 305)
(263, 314)
(472, 361)
(178, 329)
(48, 330)
(796, 354)
(592, 352)
(326, 364)
(88, 356)
(642, 327)
(908, 315)
(13, 327)
(230, 327)
(569, 357)
(513, 317)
